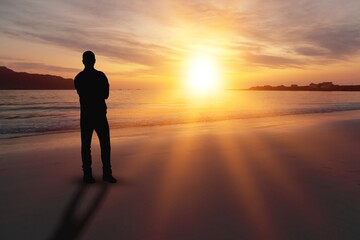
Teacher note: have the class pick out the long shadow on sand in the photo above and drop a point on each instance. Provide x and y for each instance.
(82, 207)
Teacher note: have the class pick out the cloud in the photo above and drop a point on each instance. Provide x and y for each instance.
(311, 51)
(34, 65)
(340, 41)
(273, 61)
(272, 33)
(101, 42)
(304, 29)
(24, 65)
(81, 34)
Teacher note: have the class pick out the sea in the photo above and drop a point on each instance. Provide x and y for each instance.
(34, 112)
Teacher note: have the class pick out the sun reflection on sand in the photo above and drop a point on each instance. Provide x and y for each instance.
(252, 170)
(172, 184)
(242, 178)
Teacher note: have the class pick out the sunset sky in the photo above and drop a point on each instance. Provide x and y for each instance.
(149, 43)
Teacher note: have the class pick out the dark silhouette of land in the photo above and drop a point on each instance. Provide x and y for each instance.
(92, 87)
(324, 86)
(10, 80)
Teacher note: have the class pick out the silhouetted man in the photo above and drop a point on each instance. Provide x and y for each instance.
(93, 88)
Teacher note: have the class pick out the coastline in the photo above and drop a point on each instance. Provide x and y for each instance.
(280, 177)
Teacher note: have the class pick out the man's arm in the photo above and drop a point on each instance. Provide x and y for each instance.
(105, 87)
(76, 84)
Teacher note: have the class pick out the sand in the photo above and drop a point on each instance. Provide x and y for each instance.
(289, 177)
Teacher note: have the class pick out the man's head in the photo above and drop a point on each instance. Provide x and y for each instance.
(88, 59)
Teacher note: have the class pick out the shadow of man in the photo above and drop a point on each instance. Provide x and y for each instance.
(74, 221)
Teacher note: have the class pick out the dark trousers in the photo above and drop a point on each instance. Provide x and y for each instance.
(100, 124)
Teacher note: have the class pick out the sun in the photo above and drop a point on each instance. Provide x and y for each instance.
(203, 74)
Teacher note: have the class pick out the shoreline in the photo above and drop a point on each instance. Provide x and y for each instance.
(115, 127)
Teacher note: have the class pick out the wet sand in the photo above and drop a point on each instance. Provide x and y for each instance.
(290, 177)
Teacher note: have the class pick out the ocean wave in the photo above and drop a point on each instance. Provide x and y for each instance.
(38, 108)
(26, 116)
(21, 114)
(49, 126)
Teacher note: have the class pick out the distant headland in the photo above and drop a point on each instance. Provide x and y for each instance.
(324, 86)
(10, 80)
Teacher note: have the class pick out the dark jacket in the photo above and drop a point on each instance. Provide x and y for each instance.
(92, 87)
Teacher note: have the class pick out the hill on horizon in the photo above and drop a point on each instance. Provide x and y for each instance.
(11, 80)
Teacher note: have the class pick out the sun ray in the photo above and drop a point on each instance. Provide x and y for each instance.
(173, 182)
(235, 159)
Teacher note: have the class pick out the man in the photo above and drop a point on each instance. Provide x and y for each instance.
(92, 87)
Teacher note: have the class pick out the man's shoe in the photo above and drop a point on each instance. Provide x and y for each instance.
(88, 178)
(109, 178)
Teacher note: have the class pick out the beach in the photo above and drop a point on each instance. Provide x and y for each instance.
(229, 120)
(283, 177)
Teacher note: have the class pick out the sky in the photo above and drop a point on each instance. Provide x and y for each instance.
(148, 43)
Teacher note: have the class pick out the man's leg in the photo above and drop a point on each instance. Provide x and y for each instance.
(86, 135)
(103, 132)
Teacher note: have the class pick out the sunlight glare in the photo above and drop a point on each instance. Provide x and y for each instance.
(203, 75)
